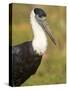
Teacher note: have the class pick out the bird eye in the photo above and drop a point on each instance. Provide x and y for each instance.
(40, 16)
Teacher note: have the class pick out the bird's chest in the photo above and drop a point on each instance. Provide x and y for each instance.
(40, 45)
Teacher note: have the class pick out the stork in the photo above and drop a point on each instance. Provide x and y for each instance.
(26, 57)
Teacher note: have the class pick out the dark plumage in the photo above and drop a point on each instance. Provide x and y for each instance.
(24, 62)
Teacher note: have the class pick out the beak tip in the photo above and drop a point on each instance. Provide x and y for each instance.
(55, 42)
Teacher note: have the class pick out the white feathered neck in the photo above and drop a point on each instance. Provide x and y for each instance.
(39, 42)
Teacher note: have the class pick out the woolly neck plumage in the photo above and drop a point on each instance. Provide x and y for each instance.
(39, 42)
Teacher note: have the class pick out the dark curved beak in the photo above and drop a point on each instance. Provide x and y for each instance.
(48, 31)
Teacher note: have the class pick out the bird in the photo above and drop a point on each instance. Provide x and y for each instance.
(26, 57)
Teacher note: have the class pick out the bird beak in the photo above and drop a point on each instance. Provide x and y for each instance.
(47, 30)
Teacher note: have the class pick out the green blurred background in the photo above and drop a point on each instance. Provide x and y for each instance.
(52, 69)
